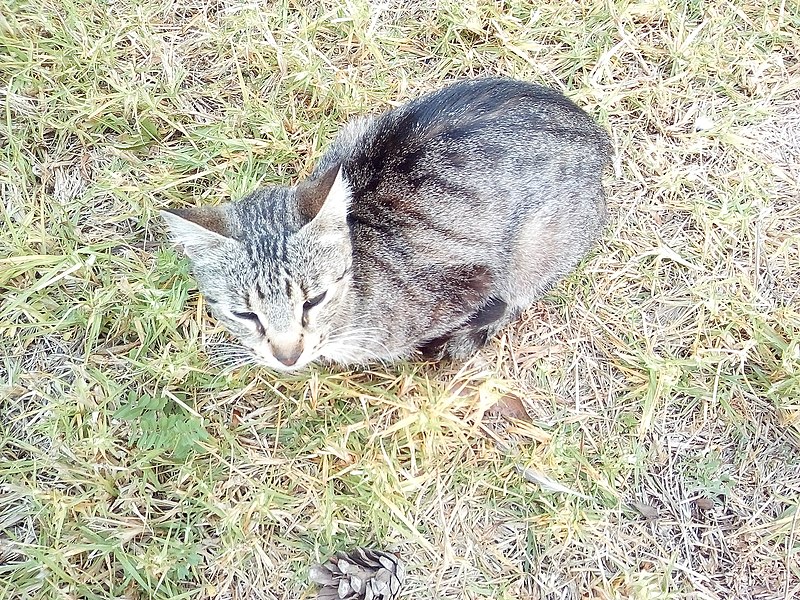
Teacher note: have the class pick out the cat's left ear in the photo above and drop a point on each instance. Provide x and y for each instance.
(198, 231)
(325, 199)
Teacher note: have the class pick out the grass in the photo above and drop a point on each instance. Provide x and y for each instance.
(661, 454)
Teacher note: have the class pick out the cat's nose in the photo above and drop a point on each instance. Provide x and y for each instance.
(287, 355)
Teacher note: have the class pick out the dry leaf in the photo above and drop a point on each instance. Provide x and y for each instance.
(547, 483)
(704, 503)
(236, 418)
(509, 406)
(648, 512)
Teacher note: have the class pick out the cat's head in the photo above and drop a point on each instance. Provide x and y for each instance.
(273, 266)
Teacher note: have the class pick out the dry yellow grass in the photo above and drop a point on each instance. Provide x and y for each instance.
(661, 458)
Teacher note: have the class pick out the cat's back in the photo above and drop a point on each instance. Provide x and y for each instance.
(481, 134)
(485, 191)
(497, 106)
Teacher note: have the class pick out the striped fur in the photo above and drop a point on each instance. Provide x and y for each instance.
(426, 228)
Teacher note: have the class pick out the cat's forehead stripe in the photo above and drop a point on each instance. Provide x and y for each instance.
(284, 244)
(259, 289)
(268, 248)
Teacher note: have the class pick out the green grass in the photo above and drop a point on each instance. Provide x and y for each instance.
(661, 458)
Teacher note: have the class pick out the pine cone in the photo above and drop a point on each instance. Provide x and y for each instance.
(359, 575)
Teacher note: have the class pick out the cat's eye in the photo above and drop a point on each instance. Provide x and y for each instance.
(312, 302)
(246, 316)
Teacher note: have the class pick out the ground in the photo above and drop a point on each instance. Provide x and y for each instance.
(635, 435)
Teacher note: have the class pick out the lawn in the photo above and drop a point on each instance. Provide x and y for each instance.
(636, 435)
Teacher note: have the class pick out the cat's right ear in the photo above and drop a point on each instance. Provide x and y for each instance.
(197, 231)
(325, 198)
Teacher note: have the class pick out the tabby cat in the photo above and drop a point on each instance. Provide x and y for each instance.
(422, 230)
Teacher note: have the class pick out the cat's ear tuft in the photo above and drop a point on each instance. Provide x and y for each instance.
(326, 196)
(197, 230)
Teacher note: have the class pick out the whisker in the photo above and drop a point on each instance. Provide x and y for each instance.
(350, 351)
(229, 357)
(364, 343)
